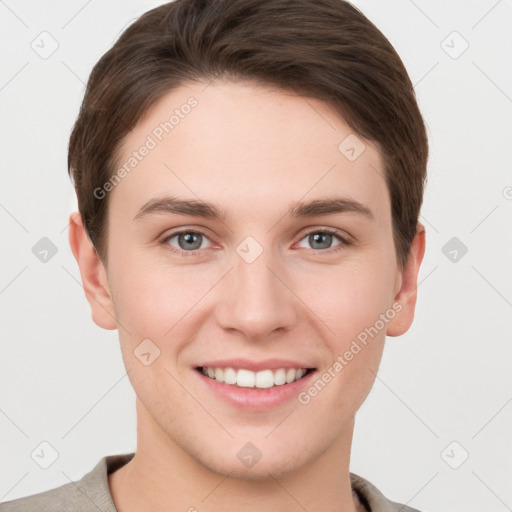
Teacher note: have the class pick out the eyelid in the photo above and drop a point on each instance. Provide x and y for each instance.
(331, 231)
(165, 239)
(345, 239)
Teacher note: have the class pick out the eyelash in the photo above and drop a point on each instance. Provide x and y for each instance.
(344, 241)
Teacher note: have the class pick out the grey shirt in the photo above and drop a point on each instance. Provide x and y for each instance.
(92, 494)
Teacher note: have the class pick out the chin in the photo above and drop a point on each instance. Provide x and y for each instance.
(269, 467)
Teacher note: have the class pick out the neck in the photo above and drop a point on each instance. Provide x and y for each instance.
(163, 477)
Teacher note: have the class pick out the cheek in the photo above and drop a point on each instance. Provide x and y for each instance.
(152, 303)
(150, 300)
(348, 299)
(358, 308)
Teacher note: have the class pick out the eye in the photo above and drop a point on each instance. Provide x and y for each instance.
(188, 242)
(322, 240)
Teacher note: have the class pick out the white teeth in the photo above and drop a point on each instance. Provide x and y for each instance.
(245, 378)
(290, 375)
(248, 379)
(219, 374)
(230, 376)
(264, 379)
(280, 377)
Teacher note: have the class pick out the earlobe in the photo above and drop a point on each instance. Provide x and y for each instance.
(93, 274)
(408, 283)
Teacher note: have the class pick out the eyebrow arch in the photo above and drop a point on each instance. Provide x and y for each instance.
(198, 208)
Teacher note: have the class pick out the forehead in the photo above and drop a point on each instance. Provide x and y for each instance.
(242, 145)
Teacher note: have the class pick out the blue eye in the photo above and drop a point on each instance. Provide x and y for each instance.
(324, 238)
(189, 242)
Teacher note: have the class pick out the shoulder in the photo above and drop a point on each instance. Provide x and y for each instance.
(65, 497)
(373, 499)
(89, 494)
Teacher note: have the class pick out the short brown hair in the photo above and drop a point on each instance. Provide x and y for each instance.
(323, 49)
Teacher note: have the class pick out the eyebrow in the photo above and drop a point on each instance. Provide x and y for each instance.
(199, 208)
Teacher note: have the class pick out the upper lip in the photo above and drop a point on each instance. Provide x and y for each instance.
(255, 366)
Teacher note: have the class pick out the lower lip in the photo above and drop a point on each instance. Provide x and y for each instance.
(256, 398)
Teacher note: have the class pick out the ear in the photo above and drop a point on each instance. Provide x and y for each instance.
(93, 273)
(407, 284)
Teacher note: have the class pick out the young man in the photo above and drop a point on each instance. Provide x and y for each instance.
(249, 177)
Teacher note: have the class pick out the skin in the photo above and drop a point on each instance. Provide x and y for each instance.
(255, 151)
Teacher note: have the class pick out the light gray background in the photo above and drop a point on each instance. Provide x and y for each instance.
(448, 379)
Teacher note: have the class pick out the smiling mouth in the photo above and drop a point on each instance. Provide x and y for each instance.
(263, 379)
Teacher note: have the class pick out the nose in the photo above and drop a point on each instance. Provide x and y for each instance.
(256, 299)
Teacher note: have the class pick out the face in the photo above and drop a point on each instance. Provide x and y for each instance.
(291, 266)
